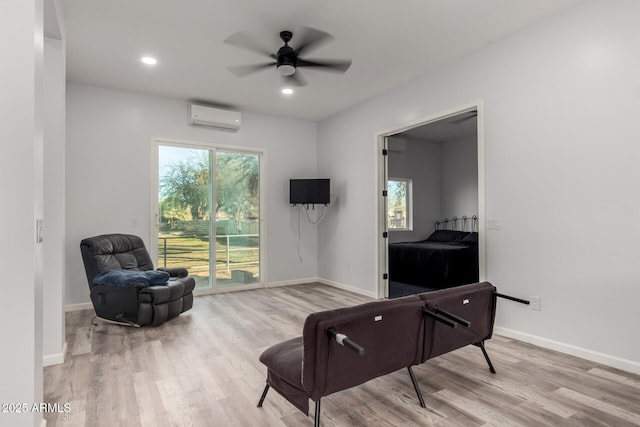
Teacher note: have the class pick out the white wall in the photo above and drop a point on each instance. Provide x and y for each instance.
(459, 177)
(108, 156)
(561, 102)
(21, 178)
(54, 202)
(419, 161)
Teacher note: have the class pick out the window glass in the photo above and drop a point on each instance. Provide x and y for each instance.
(399, 204)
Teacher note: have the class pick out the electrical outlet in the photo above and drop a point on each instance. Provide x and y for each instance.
(535, 303)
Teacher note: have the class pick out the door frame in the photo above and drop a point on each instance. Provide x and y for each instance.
(382, 176)
(154, 222)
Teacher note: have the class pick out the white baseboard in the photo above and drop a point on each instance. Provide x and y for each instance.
(227, 288)
(223, 289)
(583, 353)
(234, 288)
(78, 307)
(360, 291)
(55, 359)
(292, 282)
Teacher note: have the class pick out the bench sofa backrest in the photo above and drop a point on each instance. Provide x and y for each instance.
(475, 303)
(391, 332)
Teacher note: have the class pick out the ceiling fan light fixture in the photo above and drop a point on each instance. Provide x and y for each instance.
(149, 60)
(286, 69)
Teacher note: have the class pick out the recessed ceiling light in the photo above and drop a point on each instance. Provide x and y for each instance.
(287, 91)
(149, 60)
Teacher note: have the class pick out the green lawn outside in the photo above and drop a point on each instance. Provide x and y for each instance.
(193, 253)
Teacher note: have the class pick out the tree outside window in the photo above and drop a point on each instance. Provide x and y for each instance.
(399, 204)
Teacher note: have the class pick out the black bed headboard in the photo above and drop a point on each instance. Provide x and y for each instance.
(463, 223)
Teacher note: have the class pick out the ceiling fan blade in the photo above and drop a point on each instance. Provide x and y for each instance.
(339, 66)
(244, 40)
(309, 38)
(245, 70)
(294, 79)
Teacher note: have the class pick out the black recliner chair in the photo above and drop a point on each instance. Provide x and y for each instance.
(136, 303)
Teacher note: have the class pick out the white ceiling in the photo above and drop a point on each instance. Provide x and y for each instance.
(390, 42)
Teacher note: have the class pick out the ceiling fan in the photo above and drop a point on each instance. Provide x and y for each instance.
(287, 60)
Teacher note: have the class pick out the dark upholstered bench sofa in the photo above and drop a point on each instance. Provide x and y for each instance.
(346, 347)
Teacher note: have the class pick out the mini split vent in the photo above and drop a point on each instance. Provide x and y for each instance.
(201, 115)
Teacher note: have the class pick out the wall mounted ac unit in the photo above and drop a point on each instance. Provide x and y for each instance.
(201, 115)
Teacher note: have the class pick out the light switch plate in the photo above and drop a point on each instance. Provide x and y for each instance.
(494, 223)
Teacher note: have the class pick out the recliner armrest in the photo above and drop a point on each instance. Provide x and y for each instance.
(189, 282)
(175, 271)
(118, 286)
(154, 294)
(163, 293)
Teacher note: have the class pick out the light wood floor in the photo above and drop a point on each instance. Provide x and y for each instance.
(202, 369)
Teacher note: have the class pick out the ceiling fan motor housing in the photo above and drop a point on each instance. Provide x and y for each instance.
(286, 60)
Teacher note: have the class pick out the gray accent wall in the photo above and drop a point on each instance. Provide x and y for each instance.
(459, 178)
(445, 181)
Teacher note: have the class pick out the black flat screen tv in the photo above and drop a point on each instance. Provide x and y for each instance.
(309, 191)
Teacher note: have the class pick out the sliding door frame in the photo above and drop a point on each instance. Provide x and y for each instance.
(156, 142)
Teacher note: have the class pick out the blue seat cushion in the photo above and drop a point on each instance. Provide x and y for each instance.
(129, 277)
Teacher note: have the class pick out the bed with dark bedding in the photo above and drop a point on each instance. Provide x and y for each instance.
(445, 259)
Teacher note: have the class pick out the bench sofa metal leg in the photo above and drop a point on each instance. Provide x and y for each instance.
(264, 394)
(415, 386)
(316, 419)
(486, 356)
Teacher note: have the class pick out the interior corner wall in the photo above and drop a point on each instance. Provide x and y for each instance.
(459, 178)
(560, 106)
(108, 182)
(54, 202)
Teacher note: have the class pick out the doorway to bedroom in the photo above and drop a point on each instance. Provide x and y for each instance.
(432, 204)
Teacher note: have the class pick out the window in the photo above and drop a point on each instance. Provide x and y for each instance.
(399, 204)
(208, 213)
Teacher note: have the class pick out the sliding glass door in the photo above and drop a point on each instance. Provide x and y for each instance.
(208, 217)
(237, 213)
